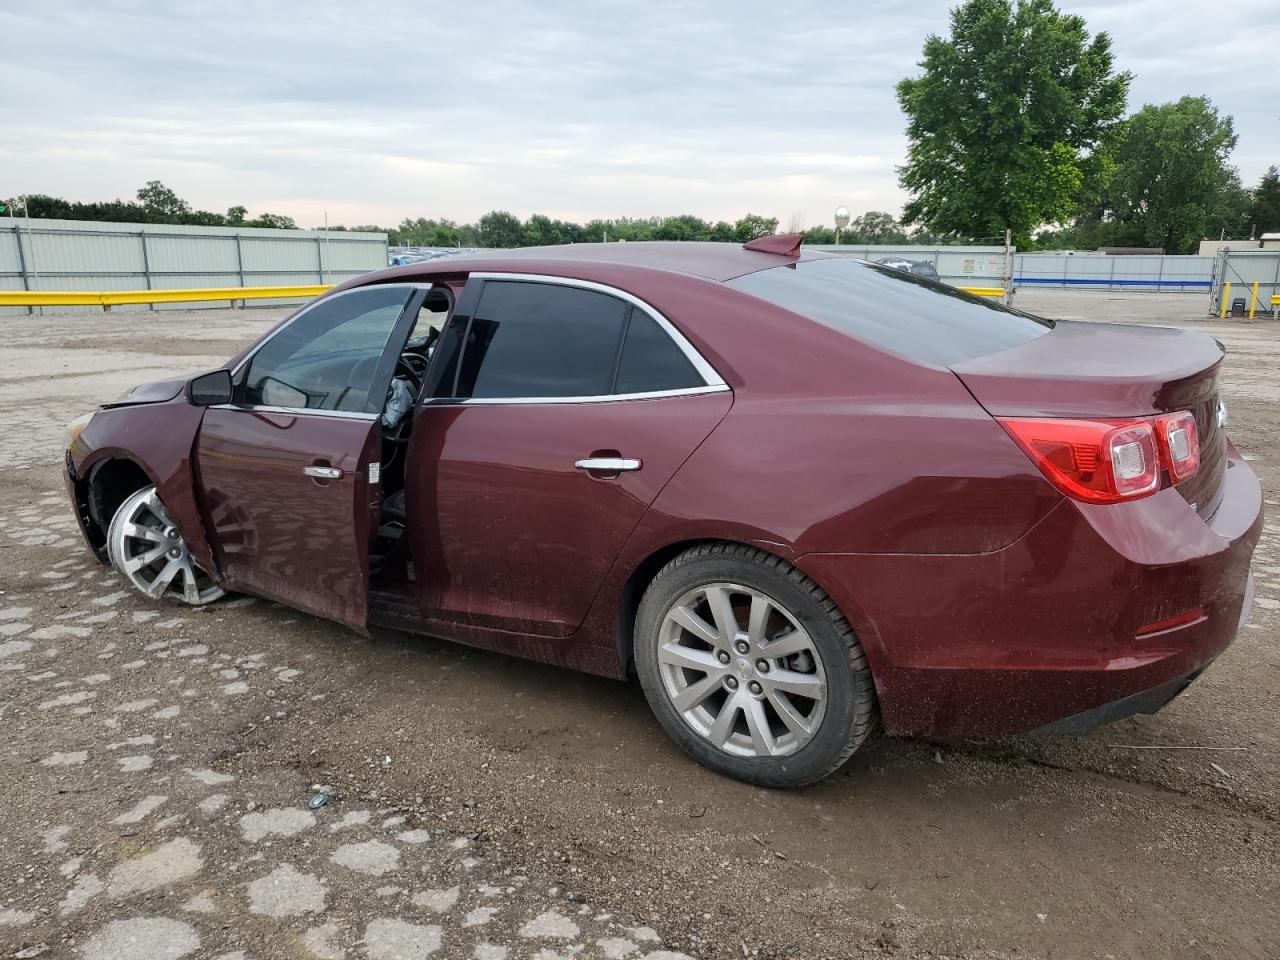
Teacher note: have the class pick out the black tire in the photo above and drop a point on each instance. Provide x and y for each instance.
(850, 706)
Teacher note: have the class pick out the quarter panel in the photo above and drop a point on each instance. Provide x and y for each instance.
(859, 474)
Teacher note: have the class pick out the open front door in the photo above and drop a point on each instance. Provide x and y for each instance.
(285, 468)
(288, 505)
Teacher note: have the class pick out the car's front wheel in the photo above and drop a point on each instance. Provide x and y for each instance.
(751, 668)
(145, 545)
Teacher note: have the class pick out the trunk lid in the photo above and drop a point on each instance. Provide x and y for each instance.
(1106, 370)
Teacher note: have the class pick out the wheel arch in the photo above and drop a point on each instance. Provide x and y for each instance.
(106, 483)
(633, 590)
(642, 575)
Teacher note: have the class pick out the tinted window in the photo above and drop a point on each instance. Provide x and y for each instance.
(541, 340)
(917, 318)
(444, 360)
(651, 360)
(327, 358)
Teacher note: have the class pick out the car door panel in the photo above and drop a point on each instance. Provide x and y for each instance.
(507, 533)
(279, 531)
(284, 468)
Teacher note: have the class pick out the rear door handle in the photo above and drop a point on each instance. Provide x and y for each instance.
(608, 464)
(323, 473)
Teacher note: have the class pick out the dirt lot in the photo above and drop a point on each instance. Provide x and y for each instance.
(157, 763)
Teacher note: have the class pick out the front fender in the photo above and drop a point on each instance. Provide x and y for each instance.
(159, 438)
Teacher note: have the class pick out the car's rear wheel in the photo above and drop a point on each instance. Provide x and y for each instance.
(145, 545)
(751, 668)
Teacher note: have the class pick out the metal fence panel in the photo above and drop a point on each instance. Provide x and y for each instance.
(82, 255)
(1155, 274)
(175, 255)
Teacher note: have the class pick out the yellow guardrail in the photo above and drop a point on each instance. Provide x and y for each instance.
(110, 298)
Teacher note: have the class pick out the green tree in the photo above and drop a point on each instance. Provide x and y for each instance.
(422, 232)
(159, 200)
(1264, 211)
(276, 220)
(1172, 184)
(874, 226)
(754, 225)
(1004, 121)
(236, 215)
(497, 228)
(542, 231)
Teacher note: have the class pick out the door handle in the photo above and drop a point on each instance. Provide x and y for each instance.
(323, 473)
(608, 464)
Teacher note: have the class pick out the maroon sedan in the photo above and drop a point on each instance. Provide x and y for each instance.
(791, 492)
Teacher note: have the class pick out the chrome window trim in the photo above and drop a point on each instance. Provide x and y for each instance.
(600, 398)
(704, 369)
(323, 298)
(297, 411)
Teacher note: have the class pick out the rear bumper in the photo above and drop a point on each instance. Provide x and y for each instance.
(1148, 701)
(1043, 635)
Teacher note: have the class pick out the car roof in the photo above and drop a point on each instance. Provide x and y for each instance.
(708, 261)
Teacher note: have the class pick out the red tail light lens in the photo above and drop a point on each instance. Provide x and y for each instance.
(1099, 461)
(1180, 444)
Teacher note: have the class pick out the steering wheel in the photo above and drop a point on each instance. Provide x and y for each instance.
(405, 369)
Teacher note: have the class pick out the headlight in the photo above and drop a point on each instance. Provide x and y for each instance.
(73, 430)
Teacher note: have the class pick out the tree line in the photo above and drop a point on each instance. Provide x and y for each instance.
(157, 203)
(1017, 122)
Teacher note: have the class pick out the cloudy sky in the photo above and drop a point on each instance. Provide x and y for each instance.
(377, 111)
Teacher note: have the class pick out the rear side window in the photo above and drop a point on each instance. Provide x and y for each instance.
(651, 360)
(917, 318)
(327, 358)
(541, 340)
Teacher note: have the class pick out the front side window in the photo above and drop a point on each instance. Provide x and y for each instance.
(327, 358)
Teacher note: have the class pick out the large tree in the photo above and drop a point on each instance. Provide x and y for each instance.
(500, 229)
(1004, 121)
(161, 201)
(1172, 184)
(874, 226)
(1264, 212)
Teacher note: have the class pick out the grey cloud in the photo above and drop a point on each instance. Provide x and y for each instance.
(375, 111)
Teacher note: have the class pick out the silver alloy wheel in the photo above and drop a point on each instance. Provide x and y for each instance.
(144, 544)
(741, 671)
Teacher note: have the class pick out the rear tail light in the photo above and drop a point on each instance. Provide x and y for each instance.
(1108, 461)
(1180, 444)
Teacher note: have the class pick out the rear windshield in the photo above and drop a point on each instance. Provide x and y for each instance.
(917, 318)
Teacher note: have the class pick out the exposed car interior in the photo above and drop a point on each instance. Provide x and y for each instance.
(387, 553)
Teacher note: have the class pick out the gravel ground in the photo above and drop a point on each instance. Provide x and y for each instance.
(158, 762)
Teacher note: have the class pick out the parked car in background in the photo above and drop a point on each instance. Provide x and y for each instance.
(794, 494)
(921, 268)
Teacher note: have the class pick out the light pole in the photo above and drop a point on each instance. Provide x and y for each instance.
(842, 220)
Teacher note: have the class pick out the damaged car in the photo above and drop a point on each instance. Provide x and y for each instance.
(795, 495)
